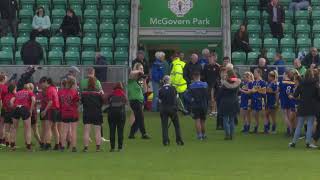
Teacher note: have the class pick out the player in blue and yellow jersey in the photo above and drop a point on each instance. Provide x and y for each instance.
(245, 101)
(271, 100)
(258, 91)
(286, 88)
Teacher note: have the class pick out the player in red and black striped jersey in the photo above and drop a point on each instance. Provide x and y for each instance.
(3, 92)
(8, 111)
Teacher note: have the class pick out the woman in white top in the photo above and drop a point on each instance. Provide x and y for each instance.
(41, 23)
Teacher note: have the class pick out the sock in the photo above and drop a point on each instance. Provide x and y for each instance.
(12, 145)
(1, 141)
(266, 128)
(244, 128)
(62, 148)
(288, 131)
(200, 136)
(248, 127)
(28, 146)
(7, 144)
(256, 129)
(98, 147)
(274, 127)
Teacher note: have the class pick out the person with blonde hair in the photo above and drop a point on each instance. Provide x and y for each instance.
(245, 101)
(157, 73)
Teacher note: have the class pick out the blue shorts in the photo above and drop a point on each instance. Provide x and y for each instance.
(256, 105)
(287, 105)
(271, 106)
(244, 106)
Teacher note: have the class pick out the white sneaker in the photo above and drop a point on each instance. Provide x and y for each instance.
(105, 140)
(312, 146)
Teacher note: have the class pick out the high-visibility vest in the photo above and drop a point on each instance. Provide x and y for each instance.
(176, 76)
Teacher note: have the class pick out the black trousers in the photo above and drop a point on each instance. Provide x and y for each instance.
(276, 30)
(136, 107)
(316, 135)
(9, 24)
(165, 114)
(44, 32)
(116, 119)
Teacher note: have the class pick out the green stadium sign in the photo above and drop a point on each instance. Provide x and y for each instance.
(180, 13)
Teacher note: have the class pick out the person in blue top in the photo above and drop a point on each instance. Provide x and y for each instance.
(205, 57)
(258, 91)
(158, 72)
(245, 101)
(280, 65)
(272, 90)
(286, 88)
(198, 91)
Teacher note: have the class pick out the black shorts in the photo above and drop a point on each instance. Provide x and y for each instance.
(34, 117)
(3, 113)
(21, 112)
(8, 117)
(52, 115)
(199, 113)
(94, 119)
(69, 120)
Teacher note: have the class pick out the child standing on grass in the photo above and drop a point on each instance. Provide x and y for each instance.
(272, 89)
(8, 110)
(286, 88)
(258, 91)
(69, 102)
(245, 101)
(229, 103)
(117, 116)
(199, 104)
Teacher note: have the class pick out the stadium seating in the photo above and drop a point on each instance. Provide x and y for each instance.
(104, 27)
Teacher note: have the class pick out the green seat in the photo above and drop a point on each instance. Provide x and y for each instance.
(78, 11)
(253, 15)
(106, 14)
(56, 43)
(255, 43)
(89, 43)
(123, 13)
(254, 28)
(126, 7)
(270, 43)
(59, 4)
(120, 41)
(303, 43)
(24, 29)
(234, 28)
(26, 15)
(288, 16)
(17, 57)
(236, 7)
(108, 55)
(316, 42)
(123, 2)
(239, 58)
(90, 29)
(73, 44)
(315, 15)
(237, 3)
(122, 28)
(266, 28)
(265, 16)
(252, 3)
(288, 57)
(55, 26)
(92, 2)
(88, 57)
(6, 57)
(20, 41)
(287, 44)
(106, 3)
(90, 15)
(57, 14)
(237, 14)
(55, 57)
(303, 29)
(75, 4)
(121, 58)
(27, 4)
(123, 35)
(106, 29)
(72, 57)
(105, 42)
(8, 42)
(252, 57)
(302, 16)
(43, 41)
(46, 4)
(315, 3)
(270, 55)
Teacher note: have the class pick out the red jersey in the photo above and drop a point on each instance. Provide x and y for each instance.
(52, 95)
(69, 99)
(6, 102)
(24, 98)
(3, 90)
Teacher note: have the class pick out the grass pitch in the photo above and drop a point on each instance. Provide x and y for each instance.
(247, 157)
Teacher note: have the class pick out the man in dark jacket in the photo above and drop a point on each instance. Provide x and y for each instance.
(192, 67)
(8, 10)
(264, 68)
(31, 51)
(70, 25)
(211, 75)
(141, 59)
(101, 72)
(276, 18)
(312, 59)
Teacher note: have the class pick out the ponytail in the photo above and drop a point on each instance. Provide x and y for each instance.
(92, 83)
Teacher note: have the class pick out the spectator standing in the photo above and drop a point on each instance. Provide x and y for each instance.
(70, 25)
(312, 59)
(193, 66)
(8, 10)
(31, 51)
(101, 72)
(205, 57)
(298, 66)
(280, 65)
(211, 75)
(158, 72)
(142, 60)
(264, 69)
(241, 40)
(276, 18)
(41, 23)
(297, 5)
